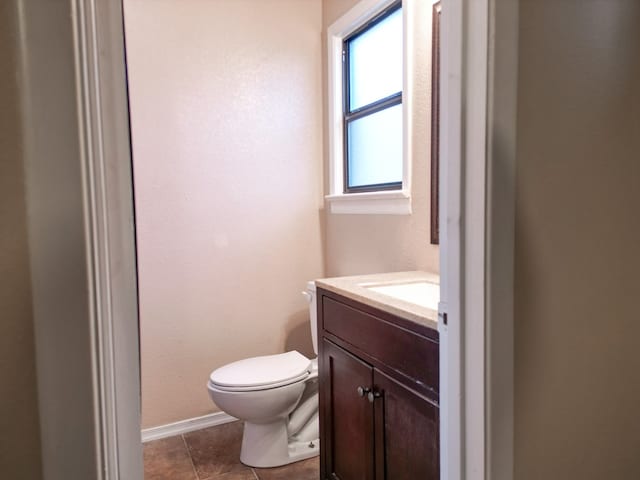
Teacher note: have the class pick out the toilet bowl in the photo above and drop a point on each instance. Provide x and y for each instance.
(277, 398)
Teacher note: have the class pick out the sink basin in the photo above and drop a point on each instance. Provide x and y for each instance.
(425, 294)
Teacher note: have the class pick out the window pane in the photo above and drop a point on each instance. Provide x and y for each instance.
(375, 148)
(375, 62)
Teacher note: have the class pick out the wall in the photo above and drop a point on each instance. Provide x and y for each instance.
(227, 151)
(577, 237)
(20, 438)
(358, 244)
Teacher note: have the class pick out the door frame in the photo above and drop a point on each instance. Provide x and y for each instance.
(81, 237)
(478, 151)
(479, 64)
(105, 136)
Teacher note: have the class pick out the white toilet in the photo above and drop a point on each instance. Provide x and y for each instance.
(277, 397)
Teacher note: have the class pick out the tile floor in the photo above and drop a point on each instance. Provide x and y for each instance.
(214, 454)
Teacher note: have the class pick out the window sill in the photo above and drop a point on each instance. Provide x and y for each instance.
(397, 202)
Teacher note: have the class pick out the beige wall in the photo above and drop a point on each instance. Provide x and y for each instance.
(577, 332)
(20, 435)
(382, 243)
(226, 124)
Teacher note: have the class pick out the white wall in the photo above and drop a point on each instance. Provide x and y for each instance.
(226, 107)
(577, 328)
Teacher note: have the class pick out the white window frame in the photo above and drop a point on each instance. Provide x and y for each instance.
(392, 202)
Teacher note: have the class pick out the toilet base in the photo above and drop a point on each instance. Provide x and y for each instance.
(268, 445)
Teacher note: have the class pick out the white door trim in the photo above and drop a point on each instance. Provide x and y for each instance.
(476, 21)
(451, 241)
(478, 117)
(465, 27)
(106, 158)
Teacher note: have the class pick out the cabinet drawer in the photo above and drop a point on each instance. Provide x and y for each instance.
(407, 352)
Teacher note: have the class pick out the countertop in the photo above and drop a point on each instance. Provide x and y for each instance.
(355, 288)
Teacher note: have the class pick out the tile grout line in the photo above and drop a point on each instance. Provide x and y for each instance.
(195, 472)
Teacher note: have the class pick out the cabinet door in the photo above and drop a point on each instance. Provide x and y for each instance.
(407, 432)
(348, 416)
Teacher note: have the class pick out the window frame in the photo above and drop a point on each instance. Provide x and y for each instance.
(390, 202)
(365, 110)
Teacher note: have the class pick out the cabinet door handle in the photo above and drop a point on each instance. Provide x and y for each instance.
(362, 391)
(372, 395)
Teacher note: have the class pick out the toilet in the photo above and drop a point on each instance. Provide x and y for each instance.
(277, 398)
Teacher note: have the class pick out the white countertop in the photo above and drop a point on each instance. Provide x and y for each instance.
(356, 288)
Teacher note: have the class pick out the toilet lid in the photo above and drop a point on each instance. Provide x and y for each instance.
(262, 371)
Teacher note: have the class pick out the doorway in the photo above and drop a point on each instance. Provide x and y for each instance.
(102, 114)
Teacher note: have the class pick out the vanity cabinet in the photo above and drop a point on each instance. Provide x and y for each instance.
(379, 414)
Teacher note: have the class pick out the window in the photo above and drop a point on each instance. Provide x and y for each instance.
(369, 103)
(372, 96)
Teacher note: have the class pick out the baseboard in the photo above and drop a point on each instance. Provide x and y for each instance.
(185, 426)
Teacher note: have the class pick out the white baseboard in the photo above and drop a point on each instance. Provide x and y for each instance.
(185, 426)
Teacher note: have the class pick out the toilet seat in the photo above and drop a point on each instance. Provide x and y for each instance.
(261, 373)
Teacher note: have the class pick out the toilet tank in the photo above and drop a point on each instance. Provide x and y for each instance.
(310, 295)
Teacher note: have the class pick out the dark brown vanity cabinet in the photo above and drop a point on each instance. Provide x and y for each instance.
(379, 415)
